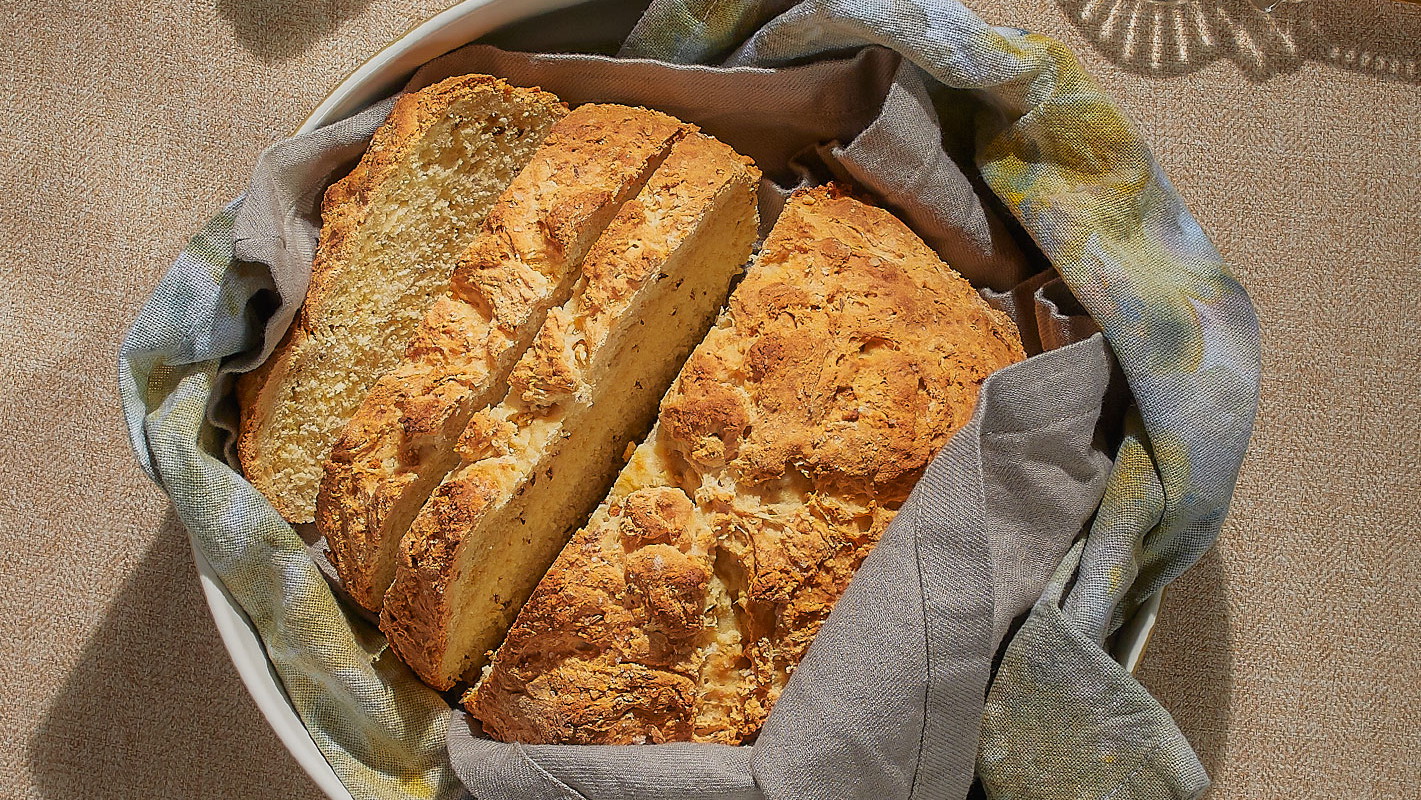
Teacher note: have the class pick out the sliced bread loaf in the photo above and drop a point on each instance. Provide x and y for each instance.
(392, 231)
(534, 465)
(402, 440)
(847, 357)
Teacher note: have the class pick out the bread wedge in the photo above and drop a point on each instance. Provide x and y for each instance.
(392, 231)
(535, 465)
(847, 357)
(527, 258)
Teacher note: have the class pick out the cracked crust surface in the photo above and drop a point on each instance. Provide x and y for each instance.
(295, 403)
(847, 357)
(401, 441)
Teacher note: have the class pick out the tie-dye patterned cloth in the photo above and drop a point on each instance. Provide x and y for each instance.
(878, 711)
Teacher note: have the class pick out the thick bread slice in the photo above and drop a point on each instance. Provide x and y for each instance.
(392, 231)
(534, 466)
(402, 440)
(847, 356)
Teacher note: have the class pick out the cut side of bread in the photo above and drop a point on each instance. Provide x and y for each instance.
(846, 358)
(526, 260)
(535, 465)
(392, 232)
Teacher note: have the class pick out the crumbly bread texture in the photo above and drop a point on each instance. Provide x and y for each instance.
(526, 260)
(847, 356)
(535, 465)
(392, 231)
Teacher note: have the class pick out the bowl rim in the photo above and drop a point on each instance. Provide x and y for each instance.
(377, 77)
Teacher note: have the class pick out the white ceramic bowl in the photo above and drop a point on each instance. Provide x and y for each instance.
(379, 77)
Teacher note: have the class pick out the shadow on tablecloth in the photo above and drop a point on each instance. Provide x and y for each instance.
(275, 30)
(1178, 37)
(154, 707)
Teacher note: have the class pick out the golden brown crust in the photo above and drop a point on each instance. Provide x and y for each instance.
(847, 357)
(344, 209)
(401, 440)
(500, 445)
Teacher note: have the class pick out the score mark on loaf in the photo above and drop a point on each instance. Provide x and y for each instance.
(536, 464)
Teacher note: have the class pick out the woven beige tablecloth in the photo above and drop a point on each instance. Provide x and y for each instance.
(1291, 656)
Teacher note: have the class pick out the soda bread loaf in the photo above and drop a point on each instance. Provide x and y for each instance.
(536, 464)
(846, 358)
(526, 259)
(392, 230)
